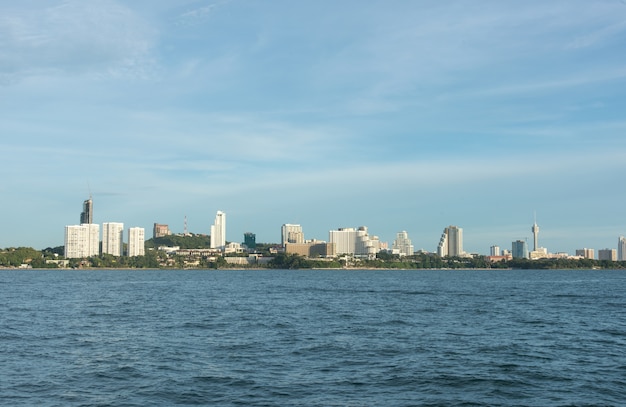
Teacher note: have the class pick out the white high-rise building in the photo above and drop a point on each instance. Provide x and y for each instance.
(451, 242)
(290, 233)
(218, 231)
(354, 241)
(494, 250)
(82, 240)
(113, 238)
(403, 244)
(621, 248)
(136, 242)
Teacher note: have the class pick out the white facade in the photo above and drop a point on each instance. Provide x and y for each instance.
(354, 241)
(403, 244)
(451, 242)
(82, 241)
(218, 231)
(621, 248)
(113, 238)
(494, 250)
(136, 242)
(290, 233)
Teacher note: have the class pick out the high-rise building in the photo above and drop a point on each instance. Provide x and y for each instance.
(519, 249)
(136, 242)
(249, 239)
(290, 233)
(586, 253)
(535, 230)
(113, 238)
(160, 230)
(354, 241)
(403, 244)
(218, 231)
(82, 241)
(494, 250)
(607, 254)
(621, 248)
(451, 242)
(86, 216)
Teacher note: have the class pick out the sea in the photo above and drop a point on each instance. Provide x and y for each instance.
(313, 338)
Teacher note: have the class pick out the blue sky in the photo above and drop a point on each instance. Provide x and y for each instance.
(397, 115)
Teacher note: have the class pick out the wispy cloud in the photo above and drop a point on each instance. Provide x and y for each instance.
(99, 38)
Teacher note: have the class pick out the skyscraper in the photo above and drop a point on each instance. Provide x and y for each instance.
(249, 239)
(519, 249)
(354, 241)
(403, 244)
(607, 254)
(586, 253)
(451, 242)
(621, 248)
(82, 241)
(86, 216)
(136, 242)
(291, 234)
(113, 238)
(218, 231)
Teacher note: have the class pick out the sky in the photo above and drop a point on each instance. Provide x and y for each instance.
(395, 115)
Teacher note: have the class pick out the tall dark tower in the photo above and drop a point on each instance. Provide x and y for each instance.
(86, 216)
(535, 230)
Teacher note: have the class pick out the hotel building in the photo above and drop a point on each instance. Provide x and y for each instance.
(403, 244)
(113, 238)
(290, 233)
(136, 242)
(451, 242)
(218, 231)
(82, 241)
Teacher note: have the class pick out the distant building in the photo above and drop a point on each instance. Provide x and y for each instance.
(82, 241)
(607, 254)
(451, 242)
(403, 244)
(160, 230)
(218, 231)
(540, 253)
(354, 241)
(86, 216)
(290, 233)
(249, 239)
(312, 249)
(136, 242)
(621, 248)
(586, 253)
(494, 251)
(519, 249)
(113, 238)
(535, 230)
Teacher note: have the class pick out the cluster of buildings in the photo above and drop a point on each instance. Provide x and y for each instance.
(519, 250)
(83, 240)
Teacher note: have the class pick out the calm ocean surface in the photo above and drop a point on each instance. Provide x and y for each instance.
(312, 338)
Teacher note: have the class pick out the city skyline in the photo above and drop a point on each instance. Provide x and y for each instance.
(402, 116)
(355, 241)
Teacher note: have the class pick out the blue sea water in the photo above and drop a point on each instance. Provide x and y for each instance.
(312, 338)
